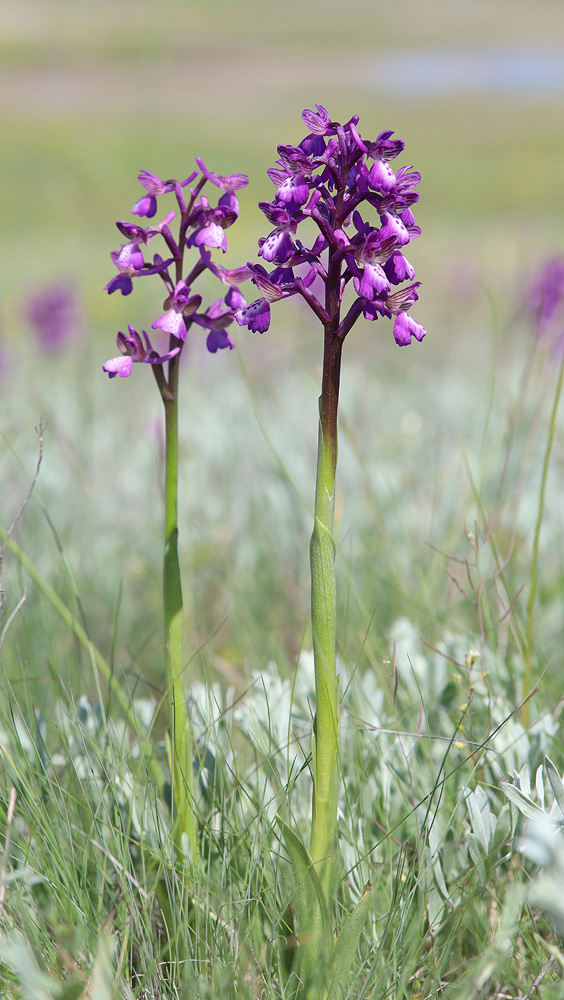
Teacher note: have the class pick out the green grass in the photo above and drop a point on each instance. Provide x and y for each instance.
(440, 465)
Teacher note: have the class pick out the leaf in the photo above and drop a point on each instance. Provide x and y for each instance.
(524, 779)
(72, 992)
(17, 954)
(524, 805)
(347, 942)
(435, 860)
(555, 783)
(100, 984)
(479, 858)
(476, 849)
(476, 811)
(309, 894)
(539, 785)
(314, 930)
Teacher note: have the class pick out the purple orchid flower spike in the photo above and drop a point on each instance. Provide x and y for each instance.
(201, 226)
(334, 177)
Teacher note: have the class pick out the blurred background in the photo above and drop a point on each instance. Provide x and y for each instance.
(91, 92)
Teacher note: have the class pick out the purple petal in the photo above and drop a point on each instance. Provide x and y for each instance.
(294, 189)
(129, 258)
(405, 328)
(120, 281)
(372, 282)
(118, 366)
(235, 300)
(255, 316)
(381, 176)
(217, 340)
(152, 183)
(313, 145)
(399, 269)
(172, 322)
(212, 236)
(276, 247)
(392, 226)
(147, 206)
(317, 123)
(275, 214)
(231, 183)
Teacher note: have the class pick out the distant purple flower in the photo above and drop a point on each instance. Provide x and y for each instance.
(54, 315)
(545, 301)
(336, 179)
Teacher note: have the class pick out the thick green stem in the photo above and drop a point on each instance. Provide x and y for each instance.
(324, 624)
(181, 734)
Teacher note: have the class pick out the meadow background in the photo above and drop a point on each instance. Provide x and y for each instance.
(435, 439)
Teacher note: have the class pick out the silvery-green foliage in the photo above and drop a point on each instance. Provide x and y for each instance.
(543, 844)
(542, 803)
(274, 716)
(489, 831)
(211, 713)
(545, 798)
(421, 675)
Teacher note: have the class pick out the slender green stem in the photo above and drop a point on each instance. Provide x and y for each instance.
(181, 733)
(536, 544)
(324, 623)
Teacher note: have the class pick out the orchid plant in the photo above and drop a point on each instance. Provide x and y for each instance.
(355, 267)
(362, 211)
(200, 228)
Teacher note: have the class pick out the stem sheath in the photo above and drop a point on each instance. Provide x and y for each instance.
(324, 623)
(181, 734)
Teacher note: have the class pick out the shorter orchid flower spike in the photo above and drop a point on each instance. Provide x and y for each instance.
(201, 228)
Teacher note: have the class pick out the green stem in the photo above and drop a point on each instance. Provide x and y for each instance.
(324, 623)
(536, 544)
(181, 733)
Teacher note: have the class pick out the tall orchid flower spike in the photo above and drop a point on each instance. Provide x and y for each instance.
(201, 228)
(347, 187)
(334, 178)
